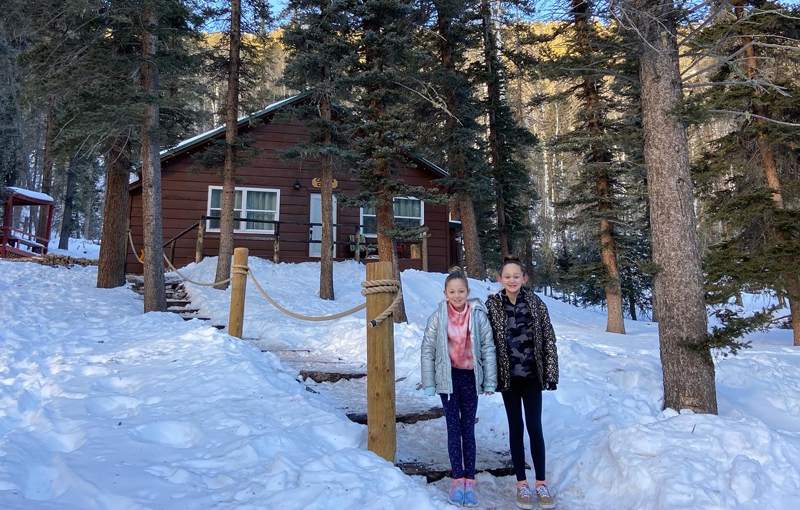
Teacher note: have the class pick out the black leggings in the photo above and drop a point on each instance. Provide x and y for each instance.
(525, 392)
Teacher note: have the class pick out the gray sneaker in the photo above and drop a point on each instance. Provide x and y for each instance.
(544, 497)
(524, 496)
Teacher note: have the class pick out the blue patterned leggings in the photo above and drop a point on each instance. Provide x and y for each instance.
(460, 408)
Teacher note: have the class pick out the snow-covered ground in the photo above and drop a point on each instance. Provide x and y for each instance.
(102, 407)
(78, 248)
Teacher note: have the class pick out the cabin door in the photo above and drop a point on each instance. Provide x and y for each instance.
(316, 217)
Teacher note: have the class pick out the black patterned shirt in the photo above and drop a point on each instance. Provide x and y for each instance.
(519, 337)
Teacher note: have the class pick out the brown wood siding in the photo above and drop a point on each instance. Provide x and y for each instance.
(185, 200)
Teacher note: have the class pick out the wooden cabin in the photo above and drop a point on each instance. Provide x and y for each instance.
(16, 242)
(282, 201)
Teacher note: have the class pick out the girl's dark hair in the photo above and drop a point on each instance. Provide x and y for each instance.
(456, 274)
(511, 259)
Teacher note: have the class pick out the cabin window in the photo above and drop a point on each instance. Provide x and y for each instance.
(252, 204)
(408, 212)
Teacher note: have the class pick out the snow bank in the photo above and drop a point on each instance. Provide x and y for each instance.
(609, 443)
(103, 407)
(78, 248)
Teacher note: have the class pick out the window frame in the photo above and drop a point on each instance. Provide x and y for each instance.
(244, 190)
(375, 235)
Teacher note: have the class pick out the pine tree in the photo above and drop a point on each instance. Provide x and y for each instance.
(155, 297)
(85, 55)
(508, 142)
(687, 364)
(450, 111)
(317, 43)
(593, 55)
(231, 133)
(745, 175)
(381, 77)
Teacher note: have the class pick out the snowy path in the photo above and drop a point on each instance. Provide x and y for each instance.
(103, 407)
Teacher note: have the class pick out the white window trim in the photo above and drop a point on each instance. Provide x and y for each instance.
(421, 216)
(244, 210)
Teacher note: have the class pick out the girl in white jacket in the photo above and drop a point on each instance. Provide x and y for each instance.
(458, 362)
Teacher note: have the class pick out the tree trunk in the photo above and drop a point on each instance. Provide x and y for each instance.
(326, 198)
(226, 226)
(66, 217)
(384, 212)
(455, 157)
(791, 281)
(469, 234)
(632, 306)
(47, 167)
(111, 265)
(492, 94)
(688, 367)
(155, 298)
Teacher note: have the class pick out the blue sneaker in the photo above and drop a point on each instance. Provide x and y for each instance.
(456, 496)
(470, 497)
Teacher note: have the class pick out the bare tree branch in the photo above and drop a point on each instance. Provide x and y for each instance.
(748, 115)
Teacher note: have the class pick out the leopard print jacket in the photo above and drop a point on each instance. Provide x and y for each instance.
(543, 335)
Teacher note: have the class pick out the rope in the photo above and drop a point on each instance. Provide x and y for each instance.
(367, 287)
(381, 286)
(175, 270)
(297, 315)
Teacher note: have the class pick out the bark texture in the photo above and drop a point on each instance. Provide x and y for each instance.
(155, 298)
(111, 264)
(226, 226)
(688, 368)
(326, 198)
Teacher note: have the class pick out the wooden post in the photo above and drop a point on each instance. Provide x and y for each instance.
(276, 252)
(358, 245)
(381, 428)
(198, 249)
(238, 286)
(425, 236)
(172, 252)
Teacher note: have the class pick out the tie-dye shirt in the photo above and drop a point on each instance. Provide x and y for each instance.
(459, 345)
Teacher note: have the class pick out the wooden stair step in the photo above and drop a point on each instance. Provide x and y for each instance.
(185, 311)
(436, 473)
(409, 418)
(332, 377)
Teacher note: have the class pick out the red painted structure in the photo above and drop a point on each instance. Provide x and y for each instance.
(16, 242)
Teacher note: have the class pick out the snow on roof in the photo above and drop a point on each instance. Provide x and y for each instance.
(221, 129)
(31, 194)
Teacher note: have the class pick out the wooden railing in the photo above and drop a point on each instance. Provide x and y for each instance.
(421, 252)
(12, 239)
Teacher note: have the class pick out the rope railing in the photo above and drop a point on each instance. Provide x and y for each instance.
(367, 287)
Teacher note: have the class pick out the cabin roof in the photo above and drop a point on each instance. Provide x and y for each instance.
(199, 140)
